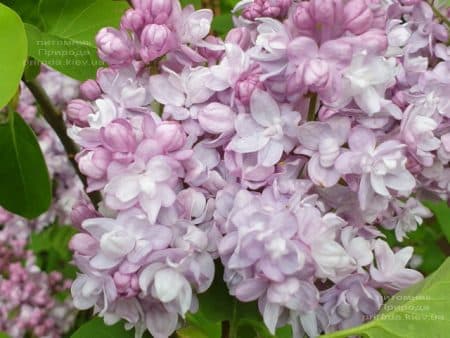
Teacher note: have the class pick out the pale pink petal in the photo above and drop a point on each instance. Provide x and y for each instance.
(270, 154)
(264, 108)
(248, 144)
(163, 91)
(362, 139)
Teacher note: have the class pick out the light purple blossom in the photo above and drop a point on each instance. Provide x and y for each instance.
(323, 150)
(268, 130)
(281, 151)
(380, 167)
(391, 271)
(151, 187)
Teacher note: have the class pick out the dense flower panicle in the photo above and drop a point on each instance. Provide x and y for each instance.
(282, 150)
(27, 295)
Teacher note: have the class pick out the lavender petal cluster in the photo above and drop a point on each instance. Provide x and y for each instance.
(28, 303)
(283, 150)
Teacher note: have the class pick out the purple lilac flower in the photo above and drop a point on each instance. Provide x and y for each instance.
(281, 151)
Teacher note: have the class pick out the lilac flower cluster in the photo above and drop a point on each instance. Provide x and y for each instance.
(28, 303)
(282, 150)
(27, 294)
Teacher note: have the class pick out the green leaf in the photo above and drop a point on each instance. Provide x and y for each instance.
(419, 311)
(197, 3)
(196, 332)
(75, 59)
(98, 329)
(13, 53)
(441, 211)
(222, 23)
(80, 20)
(24, 180)
(66, 41)
(28, 10)
(51, 247)
(201, 326)
(3, 335)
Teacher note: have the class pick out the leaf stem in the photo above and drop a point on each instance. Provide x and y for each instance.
(312, 107)
(225, 329)
(56, 121)
(440, 16)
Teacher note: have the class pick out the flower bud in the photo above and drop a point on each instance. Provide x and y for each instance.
(156, 41)
(245, 87)
(118, 136)
(90, 90)
(325, 11)
(239, 36)
(275, 8)
(77, 112)
(302, 16)
(217, 118)
(160, 10)
(82, 211)
(358, 17)
(115, 47)
(133, 20)
(94, 163)
(316, 74)
(170, 136)
(155, 11)
(253, 10)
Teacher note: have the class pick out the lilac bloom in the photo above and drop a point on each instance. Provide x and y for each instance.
(167, 285)
(350, 302)
(406, 217)
(226, 74)
(417, 131)
(323, 150)
(178, 92)
(268, 130)
(314, 68)
(381, 168)
(193, 26)
(92, 286)
(130, 237)
(427, 28)
(151, 187)
(366, 81)
(391, 272)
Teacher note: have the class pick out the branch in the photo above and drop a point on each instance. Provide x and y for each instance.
(56, 121)
(440, 16)
(212, 4)
(312, 107)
